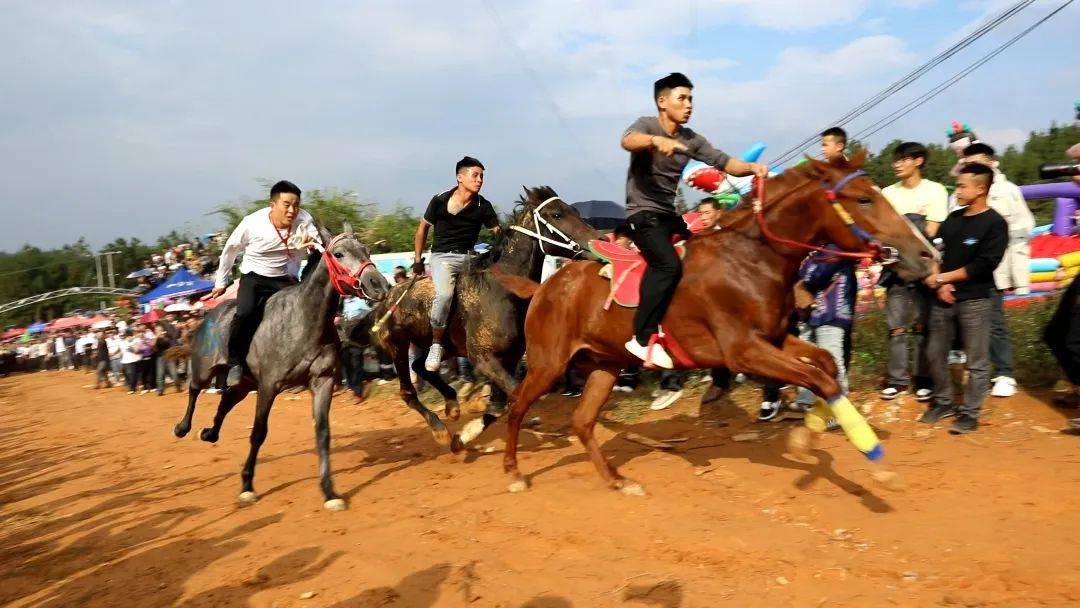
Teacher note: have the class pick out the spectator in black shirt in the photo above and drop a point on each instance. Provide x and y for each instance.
(974, 239)
(457, 216)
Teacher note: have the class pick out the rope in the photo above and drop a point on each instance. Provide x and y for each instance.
(760, 215)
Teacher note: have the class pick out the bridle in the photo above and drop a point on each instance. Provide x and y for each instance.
(344, 281)
(883, 253)
(566, 243)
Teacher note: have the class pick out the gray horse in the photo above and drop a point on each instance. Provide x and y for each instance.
(296, 344)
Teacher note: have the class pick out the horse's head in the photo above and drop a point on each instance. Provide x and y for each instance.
(557, 226)
(871, 222)
(349, 263)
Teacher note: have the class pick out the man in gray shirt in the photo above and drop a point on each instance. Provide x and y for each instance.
(653, 143)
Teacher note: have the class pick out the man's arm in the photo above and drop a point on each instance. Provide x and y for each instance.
(420, 240)
(741, 168)
(237, 242)
(633, 141)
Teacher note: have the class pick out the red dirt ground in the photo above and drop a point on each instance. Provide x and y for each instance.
(101, 506)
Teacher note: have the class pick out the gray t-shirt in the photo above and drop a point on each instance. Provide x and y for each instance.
(652, 177)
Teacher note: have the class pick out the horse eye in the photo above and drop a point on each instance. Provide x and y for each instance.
(339, 255)
(557, 216)
(865, 200)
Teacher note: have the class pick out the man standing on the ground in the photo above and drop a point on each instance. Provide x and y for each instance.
(1014, 270)
(270, 263)
(656, 165)
(974, 239)
(924, 203)
(457, 216)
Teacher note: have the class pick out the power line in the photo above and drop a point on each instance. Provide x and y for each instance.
(906, 80)
(940, 88)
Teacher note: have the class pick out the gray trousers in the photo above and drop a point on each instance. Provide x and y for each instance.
(165, 368)
(972, 319)
(445, 268)
(1000, 344)
(906, 310)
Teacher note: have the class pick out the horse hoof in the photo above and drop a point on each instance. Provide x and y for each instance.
(453, 410)
(208, 435)
(457, 446)
(180, 430)
(630, 488)
(334, 504)
(248, 498)
(518, 485)
(889, 480)
(798, 441)
(475, 406)
(442, 436)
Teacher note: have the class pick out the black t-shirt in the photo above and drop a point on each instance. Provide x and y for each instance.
(976, 242)
(458, 233)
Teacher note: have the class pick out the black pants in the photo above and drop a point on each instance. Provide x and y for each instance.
(1062, 333)
(652, 233)
(352, 365)
(251, 299)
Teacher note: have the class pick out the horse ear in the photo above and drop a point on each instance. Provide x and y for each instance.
(817, 168)
(346, 228)
(857, 161)
(324, 234)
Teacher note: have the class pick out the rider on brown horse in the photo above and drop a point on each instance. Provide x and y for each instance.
(650, 202)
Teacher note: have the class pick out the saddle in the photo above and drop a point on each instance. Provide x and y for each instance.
(625, 267)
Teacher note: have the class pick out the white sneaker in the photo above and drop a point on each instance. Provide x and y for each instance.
(659, 356)
(769, 410)
(621, 388)
(434, 357)
(665, 399)
(1004, 386)
(957, 357)
(923, 394)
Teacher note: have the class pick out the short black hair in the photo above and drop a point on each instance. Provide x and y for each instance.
(911, 149)
(979, 148)
(465, 163)
(673, 80)
(284, 187)
(836, 132)
(979, 170)
(712, 202)
(621, 231)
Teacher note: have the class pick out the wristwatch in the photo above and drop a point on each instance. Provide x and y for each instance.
(937, 280)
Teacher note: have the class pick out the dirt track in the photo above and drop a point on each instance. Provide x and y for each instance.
(101, 506)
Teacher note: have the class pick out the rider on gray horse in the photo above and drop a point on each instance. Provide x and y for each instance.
(273, 241)
(457, 216)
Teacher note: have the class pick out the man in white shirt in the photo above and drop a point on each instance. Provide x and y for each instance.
(63, 355)
(269, 264)
(924, 203)
(1013, 272)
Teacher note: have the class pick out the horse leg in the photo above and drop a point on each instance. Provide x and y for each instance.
(258, 436)
(409, 396)
(229, 399)
(597, 390)
(537, 382)
(503, 384)
(322, 389)
(452, 409)
(809, 353)
(184, 426)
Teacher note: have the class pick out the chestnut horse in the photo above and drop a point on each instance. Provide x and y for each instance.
(731, 308)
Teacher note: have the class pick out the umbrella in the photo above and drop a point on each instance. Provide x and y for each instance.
(102, 324)
(35, 328)
(179, 307)
(14, 332)
(142, 272)
(152, 316)
(602, 215)
(66, 322)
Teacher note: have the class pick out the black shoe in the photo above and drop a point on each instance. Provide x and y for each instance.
(937, 413)
(236, 374)
(964, 424)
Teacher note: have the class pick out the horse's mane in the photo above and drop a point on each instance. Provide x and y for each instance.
(525, 202)
(313, 261)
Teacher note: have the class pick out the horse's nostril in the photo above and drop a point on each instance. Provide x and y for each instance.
(925, 255)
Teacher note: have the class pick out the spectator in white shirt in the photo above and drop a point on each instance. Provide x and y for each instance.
(130, 358)
(269, 265)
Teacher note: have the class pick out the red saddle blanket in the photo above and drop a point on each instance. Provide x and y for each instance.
(626, 267)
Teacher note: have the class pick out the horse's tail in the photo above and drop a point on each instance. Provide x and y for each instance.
(180, 351)
(519, 286)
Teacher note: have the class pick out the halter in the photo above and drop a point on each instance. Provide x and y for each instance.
(884, 253)
(342, 279)
(538, 220)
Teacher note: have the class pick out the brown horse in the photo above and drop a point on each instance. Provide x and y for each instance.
(731, 307)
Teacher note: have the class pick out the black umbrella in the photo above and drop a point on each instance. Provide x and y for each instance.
(602, 215)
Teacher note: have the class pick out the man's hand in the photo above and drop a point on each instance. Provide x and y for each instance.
(761, 171)
(931, 281)
(214, 293)
(667, 146)
(947, 293)
(418, 268)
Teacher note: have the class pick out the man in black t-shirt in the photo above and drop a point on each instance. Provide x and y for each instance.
(651, 180)
(974, 239)
(457, 216)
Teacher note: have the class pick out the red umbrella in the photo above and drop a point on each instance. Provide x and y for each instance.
(67, 322)
(153, 316)
(14, 332)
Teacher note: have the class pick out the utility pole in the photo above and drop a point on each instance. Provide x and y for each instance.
(100, 283)
(108, 258)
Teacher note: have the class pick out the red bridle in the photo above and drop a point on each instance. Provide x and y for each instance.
(343, 281)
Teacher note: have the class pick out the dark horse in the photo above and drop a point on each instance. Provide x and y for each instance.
(731, 307)
(485, 320)
(296, 344)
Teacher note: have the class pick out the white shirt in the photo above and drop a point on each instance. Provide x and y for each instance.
(60, 346)
(127, 352)
(928, 199)
(261, 243)
(1006, 198)
(114, 344)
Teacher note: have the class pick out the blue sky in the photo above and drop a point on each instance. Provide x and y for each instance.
(133, 118)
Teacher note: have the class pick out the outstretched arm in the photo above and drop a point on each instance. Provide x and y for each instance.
(238, 240)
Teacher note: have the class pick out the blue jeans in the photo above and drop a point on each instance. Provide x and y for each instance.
(445, 268)
(830, 338)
